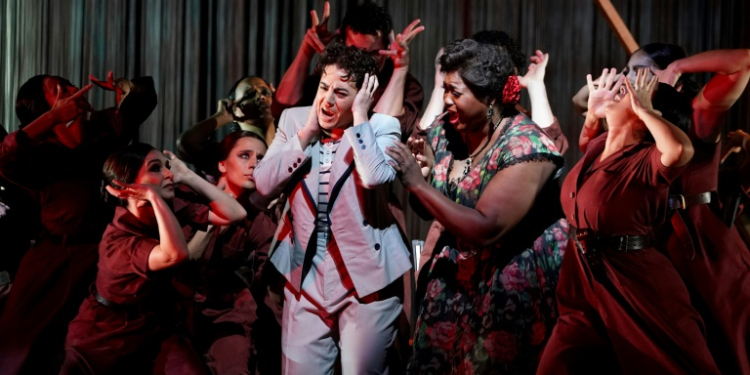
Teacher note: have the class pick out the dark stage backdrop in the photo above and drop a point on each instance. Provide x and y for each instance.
(196, 49)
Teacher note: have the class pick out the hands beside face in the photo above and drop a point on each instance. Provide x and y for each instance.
(224, 111)
(67, 109)
(318, 36)
(398, 49)
(601, 95)
(143, 193)
(363, 100)
(642, 91)
(179, 170)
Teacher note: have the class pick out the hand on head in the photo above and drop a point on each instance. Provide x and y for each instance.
(141, 192)
(111, 84)
(178, 168)
(363, 100)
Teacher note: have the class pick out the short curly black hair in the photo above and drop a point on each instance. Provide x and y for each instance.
(351, 59)
(368, 18)
(503, 40)
(484, 68)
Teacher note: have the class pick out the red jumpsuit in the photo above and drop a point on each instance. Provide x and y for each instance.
(55, 273)
(630, 314)
(713, 259)
(232, 320)
(130, 324)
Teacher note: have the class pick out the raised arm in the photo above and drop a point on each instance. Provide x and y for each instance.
(224, 208)
(533, 81)
(192, 143)
(172, 248)
(290, 90)
(374, 137)
(391, 103)
(732, 72)
(436, 106)
(675, 146)
(505, 201)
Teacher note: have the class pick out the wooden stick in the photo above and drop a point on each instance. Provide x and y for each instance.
(617, 25)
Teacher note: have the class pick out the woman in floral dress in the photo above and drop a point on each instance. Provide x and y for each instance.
(490, 304)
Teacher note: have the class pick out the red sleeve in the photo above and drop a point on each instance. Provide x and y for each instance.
(555, 133)
(261, 236)
(660, 170)
(140, 248)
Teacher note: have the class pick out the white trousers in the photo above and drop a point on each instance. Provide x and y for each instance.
(326, 319)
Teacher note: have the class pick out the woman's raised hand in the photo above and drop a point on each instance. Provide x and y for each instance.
(609, 86)
(177, 167)
(67, 109)
(318, 36)
(536, 70)
(143, 193)
(642, 91)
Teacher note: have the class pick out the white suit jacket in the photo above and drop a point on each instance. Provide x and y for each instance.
(366, 233)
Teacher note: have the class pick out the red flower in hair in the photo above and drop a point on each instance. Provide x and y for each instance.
(512, 91)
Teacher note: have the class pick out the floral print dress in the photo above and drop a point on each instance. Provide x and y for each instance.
(486, 311)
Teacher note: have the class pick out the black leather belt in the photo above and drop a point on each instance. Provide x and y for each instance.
(681, 202)
(587, 242)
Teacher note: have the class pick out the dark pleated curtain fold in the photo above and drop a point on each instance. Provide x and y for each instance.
(196, 49)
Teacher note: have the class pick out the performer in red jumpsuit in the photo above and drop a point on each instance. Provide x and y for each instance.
(129, 323)
(57, 157)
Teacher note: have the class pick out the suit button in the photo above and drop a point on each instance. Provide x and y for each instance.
(299, 160)
(294, 165)
(377, 246)
(357, 135)
(361, 141)
(363, 147)
(290, 170)
(365, 223)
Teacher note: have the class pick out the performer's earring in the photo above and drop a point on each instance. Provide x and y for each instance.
(490, 112)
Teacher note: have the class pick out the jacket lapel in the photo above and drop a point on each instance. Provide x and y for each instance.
(311, 180)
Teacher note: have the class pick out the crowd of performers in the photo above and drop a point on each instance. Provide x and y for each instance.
(283, 249)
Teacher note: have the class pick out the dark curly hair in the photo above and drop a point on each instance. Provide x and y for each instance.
(351, 59)
(483, 68)
(368, 18)
(504, 41)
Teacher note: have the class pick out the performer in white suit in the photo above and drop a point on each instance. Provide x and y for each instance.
(342, 255)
